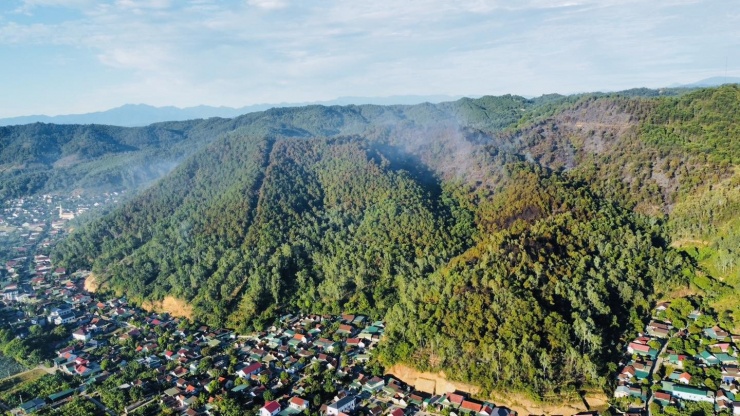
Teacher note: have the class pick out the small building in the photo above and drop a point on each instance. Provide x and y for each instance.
(662, 398)
(658, 329)
(345, 330)
(693, 394)
(685, 378)
(708, 358)
(643, 370)
(502, 411)
(622, 391)
(695, 314)
(716, 333)
(61, 395)
(271, 408)
(298, 404)
(344, 405)
(725, 359)
(677, 359)
(82, 334)
(724, 399)
(249, 370)
(469, 406)
(373, 385)
(638, 392)
(325, 344)
(30, 406)
(662, 306)
(61, 316)
(730, 374)
(642, 350)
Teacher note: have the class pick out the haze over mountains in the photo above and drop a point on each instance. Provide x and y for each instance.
(135, 115)
(710, 82)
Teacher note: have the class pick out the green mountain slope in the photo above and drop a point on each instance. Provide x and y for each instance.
(54, 158)
(511, 242)
(51, 158)
(253, 222)
(541, 306)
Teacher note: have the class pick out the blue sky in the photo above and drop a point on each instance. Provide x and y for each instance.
(73, 56)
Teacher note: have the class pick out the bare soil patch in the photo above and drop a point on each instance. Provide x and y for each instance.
(170, 305)
(67, 161)
(430, 382)
(437, 383)
(91, 283)
(683, 242)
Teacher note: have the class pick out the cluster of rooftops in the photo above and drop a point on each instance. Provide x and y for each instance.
(655, 372)
(191, 362)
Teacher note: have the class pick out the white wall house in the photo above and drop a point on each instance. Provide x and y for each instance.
(344, 405)
(61, 316)
(270, 409)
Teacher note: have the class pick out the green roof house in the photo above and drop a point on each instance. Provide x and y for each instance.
(667, 386)
(693, 394)
(725, 358)
(708, 358)
(32, 406)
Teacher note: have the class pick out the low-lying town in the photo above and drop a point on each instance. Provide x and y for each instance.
(683, 362)
(95, 355)
(154, 362)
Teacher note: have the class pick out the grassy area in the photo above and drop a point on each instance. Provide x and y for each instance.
(728, 302)
(18, 381)
(710, 257)
(708, 229)
(707, 259)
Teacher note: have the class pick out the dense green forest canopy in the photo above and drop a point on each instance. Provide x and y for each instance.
(46, 158)
(542, 305)
(704, 123)
(512, 242)
(43, 157)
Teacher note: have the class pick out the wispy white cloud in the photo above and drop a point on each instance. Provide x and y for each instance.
(243, 51)
(55, 3)
(268, 4)
(30, 5)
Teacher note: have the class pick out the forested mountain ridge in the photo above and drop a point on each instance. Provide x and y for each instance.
(290, 198)
(510, 242)
(626, 147)
(543, 303)
(135, 115)
(50, 158)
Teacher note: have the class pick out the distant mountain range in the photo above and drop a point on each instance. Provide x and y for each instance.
(709, 82)
(135, 115)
